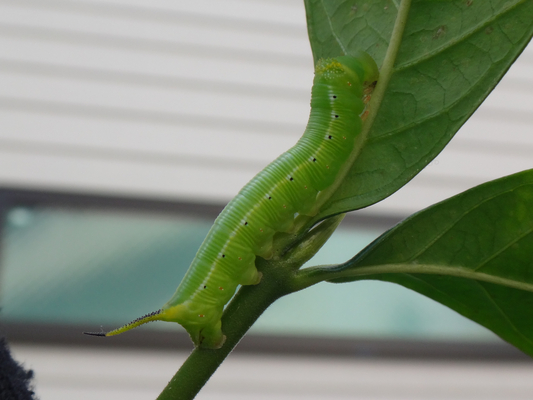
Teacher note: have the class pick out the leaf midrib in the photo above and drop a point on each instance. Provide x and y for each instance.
(428, 269)
(385, 74)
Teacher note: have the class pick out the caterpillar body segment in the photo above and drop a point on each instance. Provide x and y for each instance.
(270, 201)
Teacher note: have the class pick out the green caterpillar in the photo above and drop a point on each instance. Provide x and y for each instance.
(291, 185)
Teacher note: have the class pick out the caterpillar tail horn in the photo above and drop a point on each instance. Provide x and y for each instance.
(153, 316)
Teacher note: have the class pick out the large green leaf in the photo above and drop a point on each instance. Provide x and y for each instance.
(450, 55)
(472, 252)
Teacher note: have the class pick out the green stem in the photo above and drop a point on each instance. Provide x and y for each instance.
(240, 314)
(249, 303)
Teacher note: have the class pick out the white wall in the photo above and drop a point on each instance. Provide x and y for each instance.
(189, 99)
(64, 373)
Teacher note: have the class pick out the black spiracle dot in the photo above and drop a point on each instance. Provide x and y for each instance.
(291, 178)
(336, 116)
(205, 287)
(330, 137)
(334, 96)
(270, 198)
(223, 255)
(245, 223)
(314, 159)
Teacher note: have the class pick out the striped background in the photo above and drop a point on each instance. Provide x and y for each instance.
(187, 100)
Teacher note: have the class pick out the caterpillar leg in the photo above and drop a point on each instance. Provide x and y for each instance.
(211, 337)
(250, 277)
(207, 336)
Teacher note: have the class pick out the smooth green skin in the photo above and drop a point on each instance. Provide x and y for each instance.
(287, 189)
(477, 40)
(267, 204)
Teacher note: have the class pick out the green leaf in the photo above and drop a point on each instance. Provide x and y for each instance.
(443, 60)
(472, 253)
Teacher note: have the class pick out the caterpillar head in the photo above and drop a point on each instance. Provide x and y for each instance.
(363, 65)
(355, 72)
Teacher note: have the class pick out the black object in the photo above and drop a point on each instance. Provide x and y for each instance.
(15, 381)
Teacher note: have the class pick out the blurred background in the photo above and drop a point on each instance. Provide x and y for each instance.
(126, 126)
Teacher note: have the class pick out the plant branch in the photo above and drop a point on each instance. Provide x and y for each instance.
(240, 314)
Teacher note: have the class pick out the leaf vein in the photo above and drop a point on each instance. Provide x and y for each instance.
(460, 38)
(328, 273)
(437, 289)
(492, 256)
(455, 221)
(328, 18)
(504, 315)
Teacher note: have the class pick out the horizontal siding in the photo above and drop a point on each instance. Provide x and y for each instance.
(188, 100)
(76, 373)
(186, 104)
